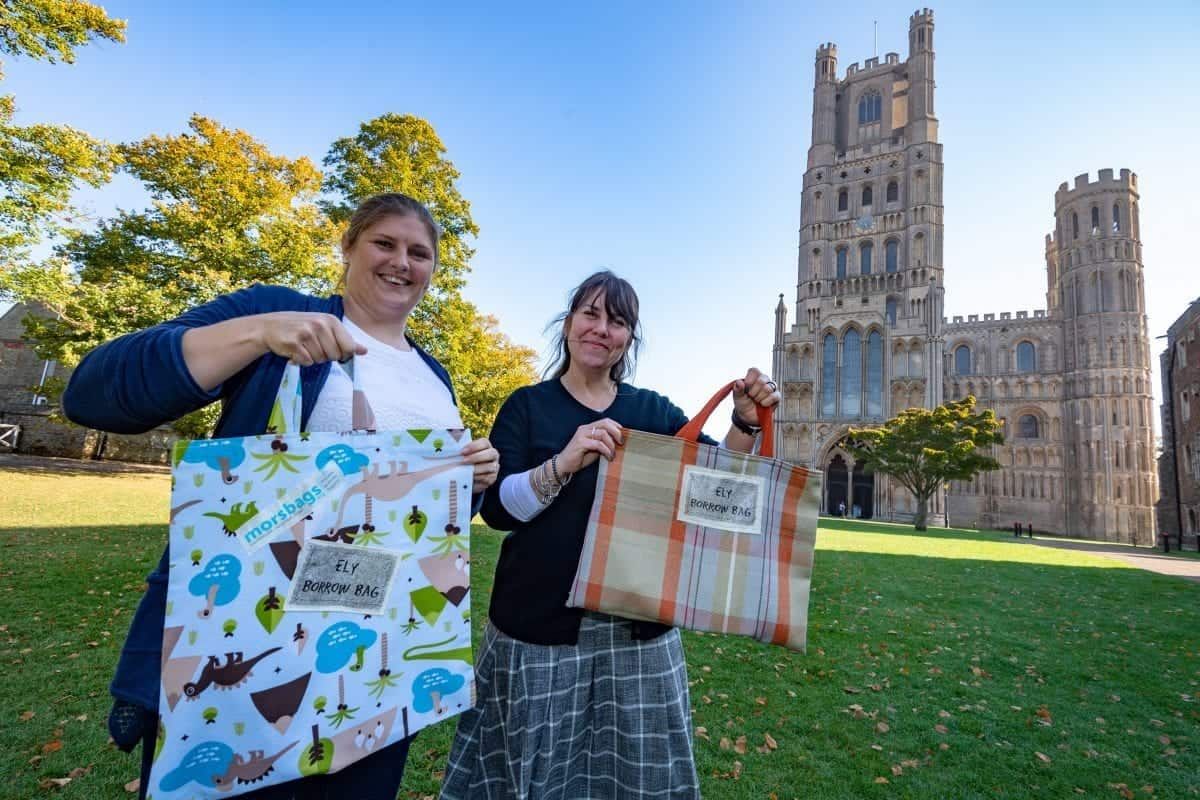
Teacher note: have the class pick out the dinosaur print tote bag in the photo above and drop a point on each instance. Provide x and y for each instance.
(318, 604)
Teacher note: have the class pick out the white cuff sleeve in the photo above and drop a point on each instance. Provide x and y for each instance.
(519, 499)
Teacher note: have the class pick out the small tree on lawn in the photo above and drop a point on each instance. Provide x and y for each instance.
(922, 449)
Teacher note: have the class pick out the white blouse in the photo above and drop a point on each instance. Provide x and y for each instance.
(403, 390)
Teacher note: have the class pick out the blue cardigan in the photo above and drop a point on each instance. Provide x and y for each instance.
(139, 381)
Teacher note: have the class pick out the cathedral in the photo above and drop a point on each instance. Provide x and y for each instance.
(869, 337)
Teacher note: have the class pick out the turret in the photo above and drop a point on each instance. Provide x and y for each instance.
(824, 106)
(922, 123)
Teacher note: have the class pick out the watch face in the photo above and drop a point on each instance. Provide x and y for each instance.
(865, 222)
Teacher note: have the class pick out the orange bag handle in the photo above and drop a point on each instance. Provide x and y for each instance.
(766, 419)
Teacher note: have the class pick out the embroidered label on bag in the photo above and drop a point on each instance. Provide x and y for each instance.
(299, 501)
(340, 577)
(718, 499)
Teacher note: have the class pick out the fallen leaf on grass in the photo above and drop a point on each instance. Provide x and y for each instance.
(739, 745)
(52, 747)
(882, 727)
(882, 779)
(1045, 759)
(941, 728)
(726, 743)
(26, 716)
(133, 785)
(702, 733)
(770, 740)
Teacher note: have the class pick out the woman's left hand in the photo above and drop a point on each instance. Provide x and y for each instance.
(480, 454)
(749, 393)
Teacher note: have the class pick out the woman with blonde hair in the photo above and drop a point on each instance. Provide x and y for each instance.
(234, 349)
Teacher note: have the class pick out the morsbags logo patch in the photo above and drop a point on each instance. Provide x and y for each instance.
(722, 500)
(298, 502)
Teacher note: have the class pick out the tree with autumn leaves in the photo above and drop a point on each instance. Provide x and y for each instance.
(225, 212)
(922, 449)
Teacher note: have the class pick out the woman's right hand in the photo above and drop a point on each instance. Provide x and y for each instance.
(595, 439)
(307, 337)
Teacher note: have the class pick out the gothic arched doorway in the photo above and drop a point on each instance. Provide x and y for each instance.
(858, 494)
(863, 505)
(835, 486)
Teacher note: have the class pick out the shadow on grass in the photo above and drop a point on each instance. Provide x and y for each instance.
(907, 529)
(72, 467)
(973, 668)
(833, 524)
(905, 637)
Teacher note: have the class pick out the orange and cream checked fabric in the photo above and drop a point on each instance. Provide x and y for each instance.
(700, 537)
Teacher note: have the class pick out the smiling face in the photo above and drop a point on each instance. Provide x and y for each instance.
(389, 266)
(596, 335)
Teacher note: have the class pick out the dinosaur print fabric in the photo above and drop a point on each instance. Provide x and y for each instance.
(307, 629)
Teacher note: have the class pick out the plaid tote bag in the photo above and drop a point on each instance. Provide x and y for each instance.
(701, 537)
(317, 601)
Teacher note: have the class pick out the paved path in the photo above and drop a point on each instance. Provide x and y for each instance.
(1140, 557)
(73, 466)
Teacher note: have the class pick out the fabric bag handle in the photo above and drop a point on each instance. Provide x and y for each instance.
(289, 406)
(766, 419)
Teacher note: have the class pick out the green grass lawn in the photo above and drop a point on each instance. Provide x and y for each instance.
(950, 664)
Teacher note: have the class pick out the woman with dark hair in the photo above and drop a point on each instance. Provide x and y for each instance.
(570, 703)
(234, 349)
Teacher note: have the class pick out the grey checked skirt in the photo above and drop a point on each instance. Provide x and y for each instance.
(608, 717)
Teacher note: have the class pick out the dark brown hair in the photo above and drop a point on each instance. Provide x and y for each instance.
(375, 208)
(621, 301)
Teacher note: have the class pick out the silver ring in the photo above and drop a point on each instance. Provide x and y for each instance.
(774, 386)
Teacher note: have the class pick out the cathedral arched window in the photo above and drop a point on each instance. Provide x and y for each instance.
(843, 200)
(893, 192)
(842, 253)
(875, 374)
(870, 108)
(1074, 225)
(1026, 357)
(851, 374)
(962, 360)
(867, 196)
(891, 252)
(864, 258)
(1095, 220)
(829, 376)
(919, 249)
(890, 311)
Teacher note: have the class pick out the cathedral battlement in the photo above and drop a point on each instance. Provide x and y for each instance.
(922, 15)
(1004, 316)
(890, 60)
(1127, 181)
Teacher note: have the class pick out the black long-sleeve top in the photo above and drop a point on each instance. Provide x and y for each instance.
(539, 558)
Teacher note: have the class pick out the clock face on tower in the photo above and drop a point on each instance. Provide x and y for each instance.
(865, 223)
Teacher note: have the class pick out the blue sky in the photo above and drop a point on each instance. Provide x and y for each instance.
(667, 140)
